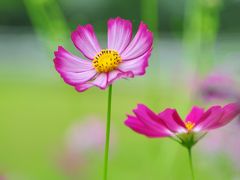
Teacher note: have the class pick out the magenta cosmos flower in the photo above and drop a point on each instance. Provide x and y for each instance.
(124, 57)
(169, 124)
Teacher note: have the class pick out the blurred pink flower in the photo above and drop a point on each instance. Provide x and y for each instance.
(123, 57)
(86, 136)
(169, 124)
(219, 86)
(216, 142)
(2, 177)
(83, 139)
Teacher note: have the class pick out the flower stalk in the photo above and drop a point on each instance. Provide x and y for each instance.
(108, 127)
(190, 162)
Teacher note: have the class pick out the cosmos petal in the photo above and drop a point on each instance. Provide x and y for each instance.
(195, 114)
(119, 34)
(172, 120)
(86, 41)
(99, 81)
(230, 111)
(138, 65)
(150, 119)
(140, 44)
(116, 74)
(73, 69)
(138, 126)
(209, 118)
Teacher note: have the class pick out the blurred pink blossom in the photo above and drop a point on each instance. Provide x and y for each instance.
(83, 139)
(2, 177)
(215, 143)
(219, 87)
(86, 136)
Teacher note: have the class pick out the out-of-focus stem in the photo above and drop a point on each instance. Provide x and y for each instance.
(149, 14)
(48, 21)
(210, 20)
(200, 32)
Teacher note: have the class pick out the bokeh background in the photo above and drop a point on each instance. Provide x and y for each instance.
(48, 131)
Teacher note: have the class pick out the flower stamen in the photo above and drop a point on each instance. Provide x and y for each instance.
(106, 60)
(189, 125)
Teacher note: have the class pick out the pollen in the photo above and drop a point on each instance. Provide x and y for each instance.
(189, 125)
(106, 60)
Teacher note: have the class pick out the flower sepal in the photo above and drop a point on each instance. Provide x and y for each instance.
(189, 139)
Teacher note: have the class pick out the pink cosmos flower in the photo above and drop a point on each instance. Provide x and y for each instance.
(124, 57)
(169, 124)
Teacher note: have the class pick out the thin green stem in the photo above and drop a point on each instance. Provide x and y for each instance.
(108, 125)
(190, 161)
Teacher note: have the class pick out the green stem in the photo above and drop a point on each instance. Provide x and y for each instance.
(190, 161)
(107, 133)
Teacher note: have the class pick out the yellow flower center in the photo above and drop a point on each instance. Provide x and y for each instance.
(106, 61)
(189, 125)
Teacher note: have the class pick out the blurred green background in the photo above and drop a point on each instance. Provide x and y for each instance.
(37, 107)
